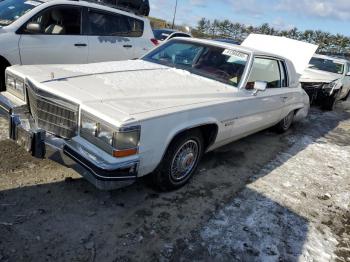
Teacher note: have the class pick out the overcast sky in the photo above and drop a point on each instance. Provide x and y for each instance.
(327, 15)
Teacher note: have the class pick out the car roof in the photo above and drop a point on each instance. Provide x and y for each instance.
(335, 59)
(95, 4)
(249, 50)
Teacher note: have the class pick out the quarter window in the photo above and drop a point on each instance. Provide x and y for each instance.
(266, 70)
(62, 20)
(106, 24)
(284, 75)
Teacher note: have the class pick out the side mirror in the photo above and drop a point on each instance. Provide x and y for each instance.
(33, 28)
(259, 86)
(348, 74)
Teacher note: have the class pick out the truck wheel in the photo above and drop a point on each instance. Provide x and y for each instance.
(328, 103)
(180, 161)
(285, 123)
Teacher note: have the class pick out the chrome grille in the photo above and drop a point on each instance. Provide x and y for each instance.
(51, 113)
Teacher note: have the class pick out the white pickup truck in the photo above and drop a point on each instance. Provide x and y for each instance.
(157, 115)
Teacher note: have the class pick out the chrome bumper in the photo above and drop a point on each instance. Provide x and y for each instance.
(102, 174)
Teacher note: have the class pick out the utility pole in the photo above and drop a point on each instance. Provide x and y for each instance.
(174, 15)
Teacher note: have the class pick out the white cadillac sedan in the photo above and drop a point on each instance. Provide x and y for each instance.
(157, 115)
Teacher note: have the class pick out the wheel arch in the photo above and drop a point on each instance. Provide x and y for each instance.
(4, 61)
(3, 64)
(209, 132)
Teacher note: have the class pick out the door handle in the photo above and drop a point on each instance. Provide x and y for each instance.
(80, 44)
(127, 46)
(284, 98)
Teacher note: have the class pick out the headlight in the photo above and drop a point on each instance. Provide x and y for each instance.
(15, 85)
(127, 138)
(331, 85)
(118, 142)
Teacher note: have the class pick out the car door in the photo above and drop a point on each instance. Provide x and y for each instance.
(58, 40)
(263, 109)
(109, 36)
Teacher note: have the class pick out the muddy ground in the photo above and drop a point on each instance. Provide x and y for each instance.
(268, 197)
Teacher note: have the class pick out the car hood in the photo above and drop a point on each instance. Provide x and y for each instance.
(298, 52)
(131, 88)
(314, 75)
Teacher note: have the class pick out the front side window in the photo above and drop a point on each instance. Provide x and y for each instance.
(60, 20)
(224, 65)
(11, 10)
(107, 24)
(327, 65)
(265, 70)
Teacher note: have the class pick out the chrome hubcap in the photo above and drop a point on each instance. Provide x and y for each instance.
(184, 160)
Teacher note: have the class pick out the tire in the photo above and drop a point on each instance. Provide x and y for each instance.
(180, 161)
(285, 123)
(2, 78)
(328, 103)
(346, 97)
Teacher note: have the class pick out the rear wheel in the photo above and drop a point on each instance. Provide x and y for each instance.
(285, 123)
(180, 161)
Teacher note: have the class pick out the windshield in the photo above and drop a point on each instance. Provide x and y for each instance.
(224, 65)
(11, 10)
(326, 65)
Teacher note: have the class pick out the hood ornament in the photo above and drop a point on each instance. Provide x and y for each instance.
(52, 75)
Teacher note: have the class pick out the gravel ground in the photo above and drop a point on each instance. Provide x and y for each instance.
(267, 197)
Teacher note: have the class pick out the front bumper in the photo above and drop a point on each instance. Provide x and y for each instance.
(103, 174)
(316, 91)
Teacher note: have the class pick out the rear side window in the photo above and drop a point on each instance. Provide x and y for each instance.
(267, 70)
(108, 24)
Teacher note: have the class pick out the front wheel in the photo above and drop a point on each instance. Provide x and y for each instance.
(346, 97)
(180, 161)
(329, 103)
(285, 123)
(2, 78)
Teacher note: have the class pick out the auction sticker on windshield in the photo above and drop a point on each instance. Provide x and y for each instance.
(235, 53)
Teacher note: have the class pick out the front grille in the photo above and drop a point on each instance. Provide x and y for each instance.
(312, 86)
(51, 113)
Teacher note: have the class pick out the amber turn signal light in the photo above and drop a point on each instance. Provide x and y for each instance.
(125, 153)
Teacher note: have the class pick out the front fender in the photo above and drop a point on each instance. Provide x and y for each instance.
(9, 49)
(157, 134)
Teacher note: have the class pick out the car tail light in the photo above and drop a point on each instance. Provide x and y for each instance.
(155, 41)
